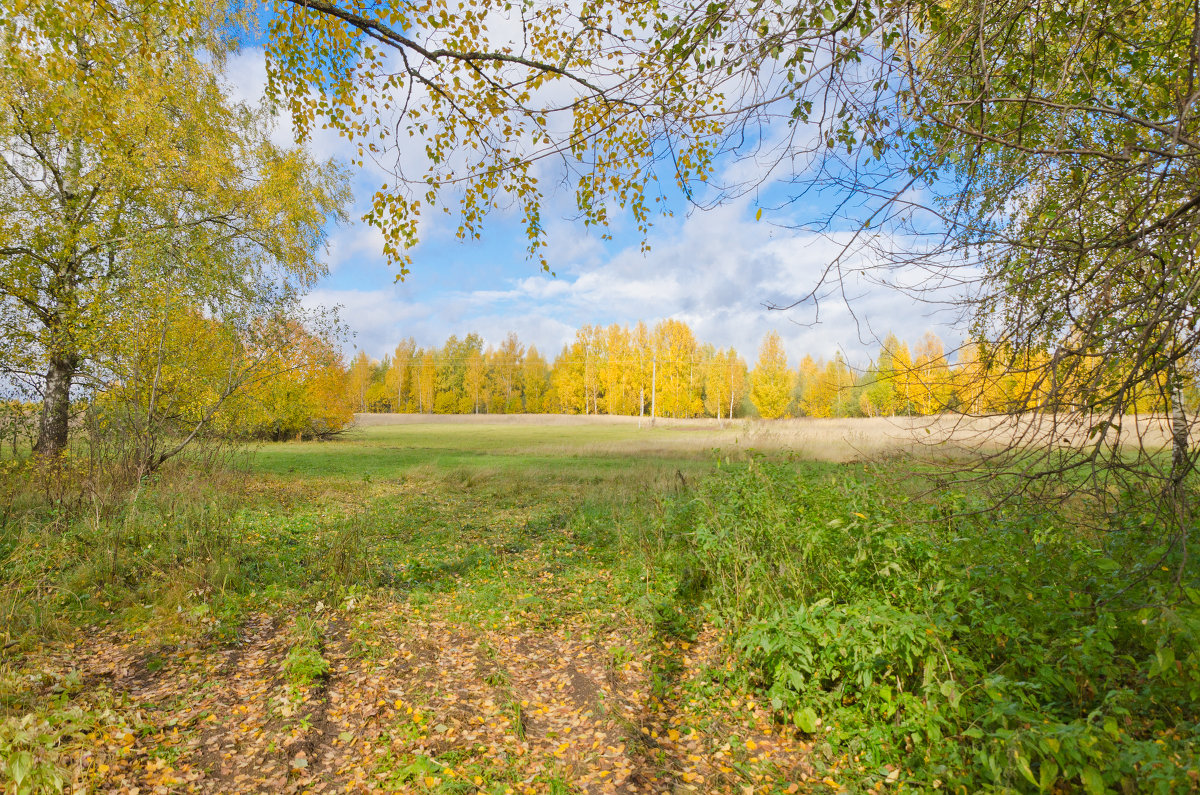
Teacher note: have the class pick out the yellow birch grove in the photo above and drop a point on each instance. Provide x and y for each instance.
(360, 380)
(665, 371)
(399, 375)
(724, 382)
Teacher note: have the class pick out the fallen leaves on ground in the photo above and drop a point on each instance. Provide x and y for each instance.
(418, 703)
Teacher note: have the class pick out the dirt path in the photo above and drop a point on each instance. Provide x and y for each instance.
(418, 703)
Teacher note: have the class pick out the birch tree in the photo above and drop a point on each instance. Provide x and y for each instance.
(122, 166)
(771, 382)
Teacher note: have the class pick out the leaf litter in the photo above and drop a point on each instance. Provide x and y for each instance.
(529, 681)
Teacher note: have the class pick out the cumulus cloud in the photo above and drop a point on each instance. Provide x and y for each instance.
(718, 271)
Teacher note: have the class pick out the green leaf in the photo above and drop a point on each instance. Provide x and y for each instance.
(1093, 782)
(806, 720)
(1023, 767)
(420, 766)
(19, 765)
(1049, 775)
(1164, 661)
(950, 691)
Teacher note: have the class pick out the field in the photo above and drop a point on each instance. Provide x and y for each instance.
(580, 607)
(840, 439)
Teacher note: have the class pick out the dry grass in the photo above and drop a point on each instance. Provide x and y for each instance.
(835, 440)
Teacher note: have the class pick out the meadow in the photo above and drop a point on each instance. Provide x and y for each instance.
(516, 607)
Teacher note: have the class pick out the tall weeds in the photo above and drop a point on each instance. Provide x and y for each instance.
(929, 644)
(79, 539)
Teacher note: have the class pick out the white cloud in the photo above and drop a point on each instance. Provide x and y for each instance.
(352, 244)
(716, 270)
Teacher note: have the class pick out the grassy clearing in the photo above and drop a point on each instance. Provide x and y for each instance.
(418, 609)
(473, 608)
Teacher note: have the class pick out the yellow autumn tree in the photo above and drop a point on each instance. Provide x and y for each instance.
(359, 380)
(933, 387)
(678, 372)
(969, 380)
(827, 388)
(506, 369)
(618, 372)
(724, 381)
(131, 181)
(302, 394)
(535, 378)
(577, 371)
(813, 401)
(642, 342)
(567, 381)
(399, 379)
(475, 380)
(426, 382)
(771, 382)
(904, 379)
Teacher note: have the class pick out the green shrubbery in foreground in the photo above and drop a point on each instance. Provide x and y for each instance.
(998, 653)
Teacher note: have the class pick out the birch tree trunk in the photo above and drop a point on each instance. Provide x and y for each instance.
(56, 407)
(1179, 435)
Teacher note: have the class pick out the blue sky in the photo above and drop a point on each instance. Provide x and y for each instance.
(714, 269)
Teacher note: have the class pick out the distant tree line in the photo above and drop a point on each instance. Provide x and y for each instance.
(665, 371)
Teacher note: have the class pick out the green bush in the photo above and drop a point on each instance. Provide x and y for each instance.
(997, 652)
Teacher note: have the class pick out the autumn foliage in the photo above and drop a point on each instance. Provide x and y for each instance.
(665, 371)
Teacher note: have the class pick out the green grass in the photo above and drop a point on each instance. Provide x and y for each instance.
(408, 511)
(560, 452)
(304, 666)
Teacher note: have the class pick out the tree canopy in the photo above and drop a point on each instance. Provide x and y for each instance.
(771, 382)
